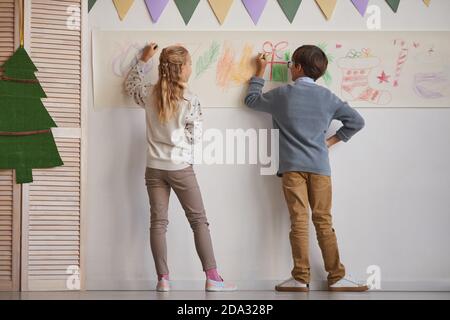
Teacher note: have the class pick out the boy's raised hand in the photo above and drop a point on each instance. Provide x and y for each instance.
(261, 64)
(149, 51)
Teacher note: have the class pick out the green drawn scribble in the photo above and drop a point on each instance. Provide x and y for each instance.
(327, 78)
(207, 59)
(280, 71)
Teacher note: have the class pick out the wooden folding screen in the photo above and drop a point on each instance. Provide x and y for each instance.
(52, 204)
(9, 191)
(41, 223)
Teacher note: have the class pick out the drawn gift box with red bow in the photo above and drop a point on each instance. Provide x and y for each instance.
(278, 56)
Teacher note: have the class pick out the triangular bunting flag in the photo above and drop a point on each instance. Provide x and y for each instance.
(427, 2)
(327, 7)
(361, 6)
(91, 4)
(290, 8)
(156, 8)
(255, 8)
(187, 8)
(221, 8)
(122, 7)
(393, 4)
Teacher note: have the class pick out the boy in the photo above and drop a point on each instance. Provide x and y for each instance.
(303, 112)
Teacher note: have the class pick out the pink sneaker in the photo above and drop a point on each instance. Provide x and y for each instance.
(163, 285)
(219, 286)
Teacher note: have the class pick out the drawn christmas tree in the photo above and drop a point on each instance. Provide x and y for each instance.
(26, 139)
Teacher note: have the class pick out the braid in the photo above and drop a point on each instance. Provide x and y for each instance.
(169, 90)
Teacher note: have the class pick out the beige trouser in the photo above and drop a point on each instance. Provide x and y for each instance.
(303, 190)
(184, 183)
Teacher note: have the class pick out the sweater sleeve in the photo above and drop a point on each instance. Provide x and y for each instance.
(352, 121)
(194, 121)
(135, 85)
(257, 100)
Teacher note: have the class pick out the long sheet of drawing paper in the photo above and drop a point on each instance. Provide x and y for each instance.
(367, 69)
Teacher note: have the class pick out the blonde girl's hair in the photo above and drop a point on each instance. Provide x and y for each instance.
(169, 90)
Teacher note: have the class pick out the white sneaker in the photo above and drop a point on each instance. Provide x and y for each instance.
(219, 286)
(347, 284)
(163, 285)
(292, 285)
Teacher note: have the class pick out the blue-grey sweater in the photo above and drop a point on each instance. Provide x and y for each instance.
(302, 112)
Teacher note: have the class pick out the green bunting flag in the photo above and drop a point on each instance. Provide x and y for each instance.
(26, 139)
(187, 8)
(290, 8)
(393, 4)
(91, 4)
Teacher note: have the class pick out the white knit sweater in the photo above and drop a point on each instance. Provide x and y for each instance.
(170, 145)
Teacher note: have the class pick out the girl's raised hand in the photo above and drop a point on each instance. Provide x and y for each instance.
(149, 51)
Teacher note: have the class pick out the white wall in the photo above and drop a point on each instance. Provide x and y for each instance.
(391, 182)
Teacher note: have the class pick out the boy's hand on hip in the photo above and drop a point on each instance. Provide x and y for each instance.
(332, 141)
(149, 51)
(261, 64)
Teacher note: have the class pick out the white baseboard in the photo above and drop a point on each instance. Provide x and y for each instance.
(258, 285)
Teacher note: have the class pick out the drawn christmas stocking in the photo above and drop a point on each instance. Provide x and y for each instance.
(355, 83)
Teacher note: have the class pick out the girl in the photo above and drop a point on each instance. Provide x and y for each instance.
(170, 109)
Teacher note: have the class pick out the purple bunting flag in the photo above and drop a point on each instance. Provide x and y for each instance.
(361, 6)
(255, 8)
(156, 8)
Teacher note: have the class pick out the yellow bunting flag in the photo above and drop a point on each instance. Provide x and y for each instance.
(221, 8)
(327, 7)
(427, 2)
(122, 7)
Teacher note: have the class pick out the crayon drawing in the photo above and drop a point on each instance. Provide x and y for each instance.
(433, 82)
(278, 56)
(401, 60)
(127, 55)
(356, 69)
(231, 72)
(208, 59)
(432, 85)
(367, 69)
(327, 77)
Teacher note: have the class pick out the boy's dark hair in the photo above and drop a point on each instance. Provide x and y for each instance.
(312, 59)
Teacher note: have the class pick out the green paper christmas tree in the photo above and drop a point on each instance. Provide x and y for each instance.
(26, 140)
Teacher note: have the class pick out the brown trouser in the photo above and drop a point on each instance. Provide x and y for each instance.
(184, 183)
(301, 190)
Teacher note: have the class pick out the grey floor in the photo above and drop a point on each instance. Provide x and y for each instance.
(240, 295)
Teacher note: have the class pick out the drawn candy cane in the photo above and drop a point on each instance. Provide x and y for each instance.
(274, 51)
(401, 60)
